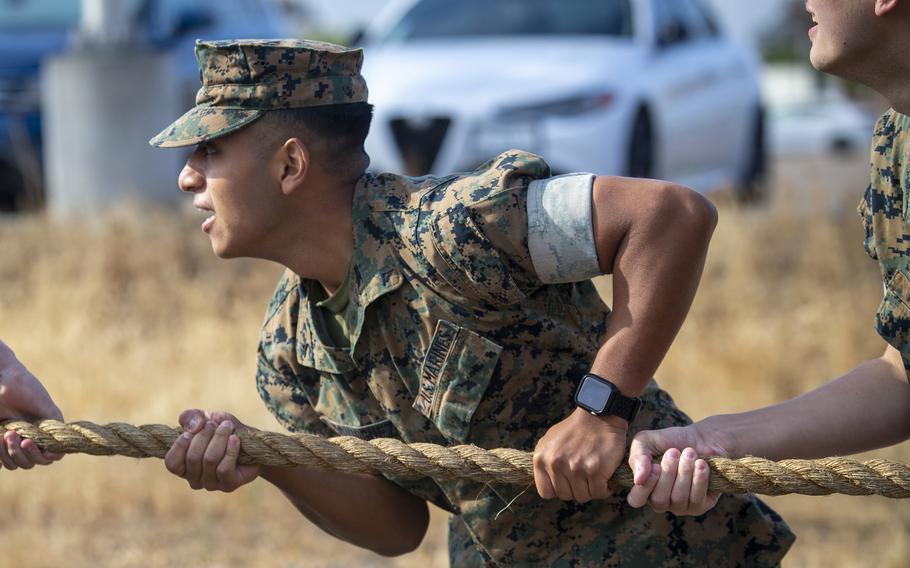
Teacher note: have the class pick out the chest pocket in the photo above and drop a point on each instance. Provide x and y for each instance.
(380, 429)
(349, 409)
(893, 317)
(455, 374)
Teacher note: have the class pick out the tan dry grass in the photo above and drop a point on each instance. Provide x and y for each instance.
(132, 319)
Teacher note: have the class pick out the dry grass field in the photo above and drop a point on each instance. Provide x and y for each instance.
(132, 319)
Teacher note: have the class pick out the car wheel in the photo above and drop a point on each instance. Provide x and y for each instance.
(752, 186)
(641, 146)
(12, 187)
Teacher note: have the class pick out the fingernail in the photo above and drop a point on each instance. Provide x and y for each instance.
(639, 469)
(227, 425)
(186, 435)
(689, 454)
(672, 454)
(194, 422)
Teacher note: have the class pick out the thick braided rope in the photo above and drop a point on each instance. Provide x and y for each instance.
(502, 465)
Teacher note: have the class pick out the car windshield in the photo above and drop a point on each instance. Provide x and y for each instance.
(18, 14)
(466, 18)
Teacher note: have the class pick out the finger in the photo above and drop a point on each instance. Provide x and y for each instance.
(639, 494)
(219, 416)
(711, 501)
(682, 487)
(175, 458)
(660, 497)
(641, 468)
(192, 420)
(561, 486)
(701, 500)
(14, 447)
(214, 453)
(6, 461)
(542, 479)
(33, 452)
(227, 469)
(578, 484)
(195, 453)
(600, 487)
(51, 456)
(640, 452)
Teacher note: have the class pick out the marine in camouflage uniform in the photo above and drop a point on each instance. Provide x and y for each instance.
(456, 324)
(885, 212)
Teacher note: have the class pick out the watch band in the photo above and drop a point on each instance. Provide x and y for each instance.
(624, 407)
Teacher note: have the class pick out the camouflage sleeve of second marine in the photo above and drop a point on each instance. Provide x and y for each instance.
(277, 379)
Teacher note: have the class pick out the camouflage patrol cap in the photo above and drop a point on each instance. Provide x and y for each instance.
(243, 79)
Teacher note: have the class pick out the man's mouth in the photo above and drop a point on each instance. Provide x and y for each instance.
(210, 220)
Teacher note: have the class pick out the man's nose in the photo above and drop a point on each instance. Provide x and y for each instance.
(190, 180)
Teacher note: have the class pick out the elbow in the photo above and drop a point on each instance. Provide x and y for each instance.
(407, 539)
(688, 212)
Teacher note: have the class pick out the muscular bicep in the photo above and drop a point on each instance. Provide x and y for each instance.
(657, 211)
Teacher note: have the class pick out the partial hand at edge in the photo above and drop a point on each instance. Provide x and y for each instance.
(576, 458)
(679, 482)
(23, 396)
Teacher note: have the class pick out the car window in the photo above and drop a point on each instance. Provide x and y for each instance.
(464, 18)
(707, 13)
(46, 13)
(697, 18)
(681, 21)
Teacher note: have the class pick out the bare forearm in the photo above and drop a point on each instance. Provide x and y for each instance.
(655, 247)
(865, 409)
(364, 510)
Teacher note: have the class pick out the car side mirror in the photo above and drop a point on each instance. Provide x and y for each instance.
(357, 37)
(671, 34)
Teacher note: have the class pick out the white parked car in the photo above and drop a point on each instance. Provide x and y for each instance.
(647, 88)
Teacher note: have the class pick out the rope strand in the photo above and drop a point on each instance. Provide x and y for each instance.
(502, 465)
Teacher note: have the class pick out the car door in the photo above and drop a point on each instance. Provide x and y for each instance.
(688, 86)
(730, 91)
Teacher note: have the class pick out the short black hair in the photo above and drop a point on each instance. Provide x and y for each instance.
(335, 133)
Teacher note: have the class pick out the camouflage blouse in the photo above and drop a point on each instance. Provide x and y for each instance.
(885, 212)
(454, 338)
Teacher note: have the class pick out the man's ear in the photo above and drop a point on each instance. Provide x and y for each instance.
(883, 7)
(295, 163)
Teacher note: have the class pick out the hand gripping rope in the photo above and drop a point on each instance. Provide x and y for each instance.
(506, 466)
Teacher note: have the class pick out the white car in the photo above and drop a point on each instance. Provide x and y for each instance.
(647, 88)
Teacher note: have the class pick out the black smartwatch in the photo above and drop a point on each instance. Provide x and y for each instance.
(600, 397)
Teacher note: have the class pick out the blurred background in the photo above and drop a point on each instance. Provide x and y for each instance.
(112, 297)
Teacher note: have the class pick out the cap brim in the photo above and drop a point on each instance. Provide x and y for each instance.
(203, 123)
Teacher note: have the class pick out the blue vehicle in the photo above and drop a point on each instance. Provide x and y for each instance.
(33, 30)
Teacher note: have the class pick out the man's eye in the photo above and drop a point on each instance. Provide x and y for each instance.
(206, 149)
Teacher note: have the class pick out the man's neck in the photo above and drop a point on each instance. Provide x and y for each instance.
(888, 72)
(319, 241)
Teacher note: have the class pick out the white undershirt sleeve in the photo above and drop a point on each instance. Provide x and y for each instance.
(561, 229)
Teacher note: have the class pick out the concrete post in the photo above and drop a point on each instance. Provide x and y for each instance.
(105, 23)
(100, 108)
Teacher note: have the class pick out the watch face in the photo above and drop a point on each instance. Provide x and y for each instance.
(593, 394)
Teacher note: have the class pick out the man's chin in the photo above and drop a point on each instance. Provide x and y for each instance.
(824, 62)
(222, 250)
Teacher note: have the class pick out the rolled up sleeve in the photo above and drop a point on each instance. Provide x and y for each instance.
(561, 230)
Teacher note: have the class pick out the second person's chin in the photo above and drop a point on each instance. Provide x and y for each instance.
(824, 61)
(223, 249)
